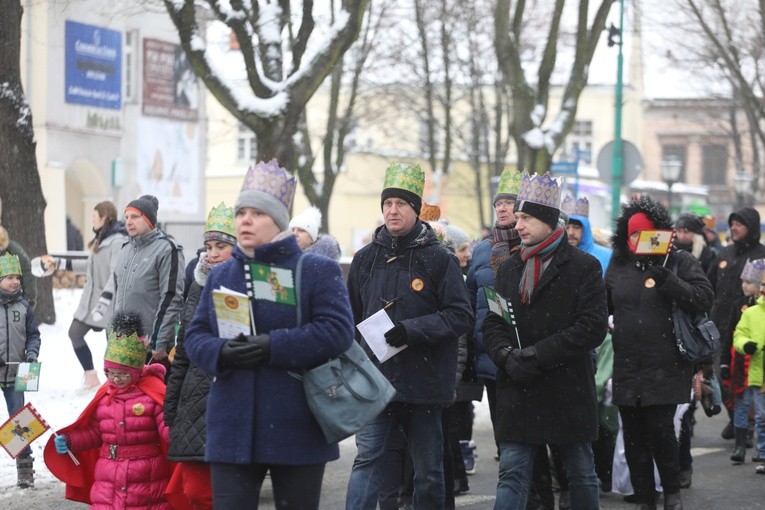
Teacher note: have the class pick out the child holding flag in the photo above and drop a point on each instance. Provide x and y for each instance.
(120, 440)
(22, 343)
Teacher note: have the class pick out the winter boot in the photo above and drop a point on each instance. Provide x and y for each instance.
(468, 455)
(739, 452)
(727, 432)
(90, 380)
(673, 502)
(26, 475)
(750, 434)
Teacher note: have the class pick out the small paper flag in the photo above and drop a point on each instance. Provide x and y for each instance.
(654, 242)
(28, 377)
(21, 429)
(499, 305)
(271, 283)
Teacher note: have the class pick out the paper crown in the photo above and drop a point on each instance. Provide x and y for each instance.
(579, 207)
(9, 265)
(404, 176)
(126, 344)
(272, 179)
(430, 212)
(221, 219)
(753, 271)
(540, 189)
(509, 183)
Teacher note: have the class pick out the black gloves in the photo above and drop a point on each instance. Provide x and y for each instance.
(522, 365)
(396, 336)
(31, 357)
(246, 352)
(750, 348)
(659, 274)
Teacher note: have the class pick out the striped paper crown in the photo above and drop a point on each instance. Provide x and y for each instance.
(404, 176)
(126, 344)
(9, 265)
(540, 189)
(579, 207)
(509, 182)
(753, 271)
(221, 219)
(271, 179)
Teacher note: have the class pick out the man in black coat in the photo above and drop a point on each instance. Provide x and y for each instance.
(725, 277)
(546, 375)
(417, 281)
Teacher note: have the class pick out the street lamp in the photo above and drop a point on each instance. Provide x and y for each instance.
(742, 182)
(670, 173)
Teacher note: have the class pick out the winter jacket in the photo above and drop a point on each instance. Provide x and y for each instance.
(648, 369)
(725, 276)
(421, 281)
(565, 320)
(28, 280)
(128, 429)
(148, 279)
(751, 328)
(19, 333)
(326, 245)
(588, 244)
(481, 274)
(736, 362)
(99, 269)
(700, 251)
(187, 390)
(265, 409)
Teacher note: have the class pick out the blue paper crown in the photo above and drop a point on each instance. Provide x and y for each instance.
(540, 189)
(272, 179)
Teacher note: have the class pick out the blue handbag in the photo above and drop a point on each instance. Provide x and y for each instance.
(346, 392)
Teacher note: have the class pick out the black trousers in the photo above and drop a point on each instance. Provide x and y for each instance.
(238, 486)
(649, 435)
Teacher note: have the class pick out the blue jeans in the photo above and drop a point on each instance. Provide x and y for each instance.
(741, 414)
(421, 425)
(14, 400)
(516, 461)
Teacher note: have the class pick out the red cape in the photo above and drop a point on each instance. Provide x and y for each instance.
(79, 479)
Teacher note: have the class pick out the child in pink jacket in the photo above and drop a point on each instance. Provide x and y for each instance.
(120, 439)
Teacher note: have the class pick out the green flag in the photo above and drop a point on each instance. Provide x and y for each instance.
(499, 305)
(271, 283)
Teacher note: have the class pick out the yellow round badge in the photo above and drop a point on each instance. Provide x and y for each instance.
(417, 285)
(723, 264)
(138, 409)
(650, 283)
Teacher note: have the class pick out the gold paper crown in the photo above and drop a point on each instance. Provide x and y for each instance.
(404, 176)
(509, 182)
(9, 265)
(221, 219)
(430, 212)
(126, 344)
(271, 179)
(540, 189)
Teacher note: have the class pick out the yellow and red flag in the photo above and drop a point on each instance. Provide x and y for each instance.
(21, 429)
(654, 242)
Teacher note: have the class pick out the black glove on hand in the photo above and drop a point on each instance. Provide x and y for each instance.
(750, 348)
(528, 356)
(518, 369)
(245, 352)
(31, 357)
(659, 274)
(396, 336)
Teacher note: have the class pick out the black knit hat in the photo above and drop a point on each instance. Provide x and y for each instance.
(147, 205)
(405, 195)
(690, 222)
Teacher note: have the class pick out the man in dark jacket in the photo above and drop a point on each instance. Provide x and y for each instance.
(689, 229)
(407, 272)
(725, 277)
(546, 375)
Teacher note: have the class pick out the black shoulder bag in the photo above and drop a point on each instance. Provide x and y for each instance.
(696, 335)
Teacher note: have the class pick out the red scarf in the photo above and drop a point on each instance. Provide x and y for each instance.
(535, 256)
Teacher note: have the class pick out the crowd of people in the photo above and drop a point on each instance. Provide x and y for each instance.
(552, 324)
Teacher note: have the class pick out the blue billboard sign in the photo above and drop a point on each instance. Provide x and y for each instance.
(93, 60)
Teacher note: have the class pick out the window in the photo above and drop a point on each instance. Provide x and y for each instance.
(715, 164)
(675, 152)
(578, 144)
(246, 145)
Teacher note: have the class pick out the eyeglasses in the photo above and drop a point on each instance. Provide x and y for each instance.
(121, 375)
(503, 202)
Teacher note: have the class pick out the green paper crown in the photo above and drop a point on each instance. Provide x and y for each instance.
(221, 219)
(126, 344)
(509, 182)
(9, 265)
(404, 176)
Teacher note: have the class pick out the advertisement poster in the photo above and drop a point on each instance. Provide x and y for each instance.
(93, 66)
(170, 86)
(167, 164)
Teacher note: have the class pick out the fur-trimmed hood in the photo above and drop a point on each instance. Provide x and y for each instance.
(655, 212)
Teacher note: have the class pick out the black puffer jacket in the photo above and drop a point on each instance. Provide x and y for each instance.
(725, 275)
(423, 283)
(186, 396)
(647, 366)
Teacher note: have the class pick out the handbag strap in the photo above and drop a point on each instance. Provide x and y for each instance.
(298, 309)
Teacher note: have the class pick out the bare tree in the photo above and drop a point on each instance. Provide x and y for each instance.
(286, 57)
(535, 141)
(20, 187)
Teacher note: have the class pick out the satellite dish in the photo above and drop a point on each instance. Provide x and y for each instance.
(632, 162)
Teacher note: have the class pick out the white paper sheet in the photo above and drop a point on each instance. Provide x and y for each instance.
(373, 330)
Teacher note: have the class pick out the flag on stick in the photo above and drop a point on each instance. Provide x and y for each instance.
(502, 306)
(270, 283)
(21, 429)
(654, 242)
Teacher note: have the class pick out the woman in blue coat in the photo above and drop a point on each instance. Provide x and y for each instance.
(258, 420)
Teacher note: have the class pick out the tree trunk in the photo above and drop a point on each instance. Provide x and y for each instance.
(20, 188)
